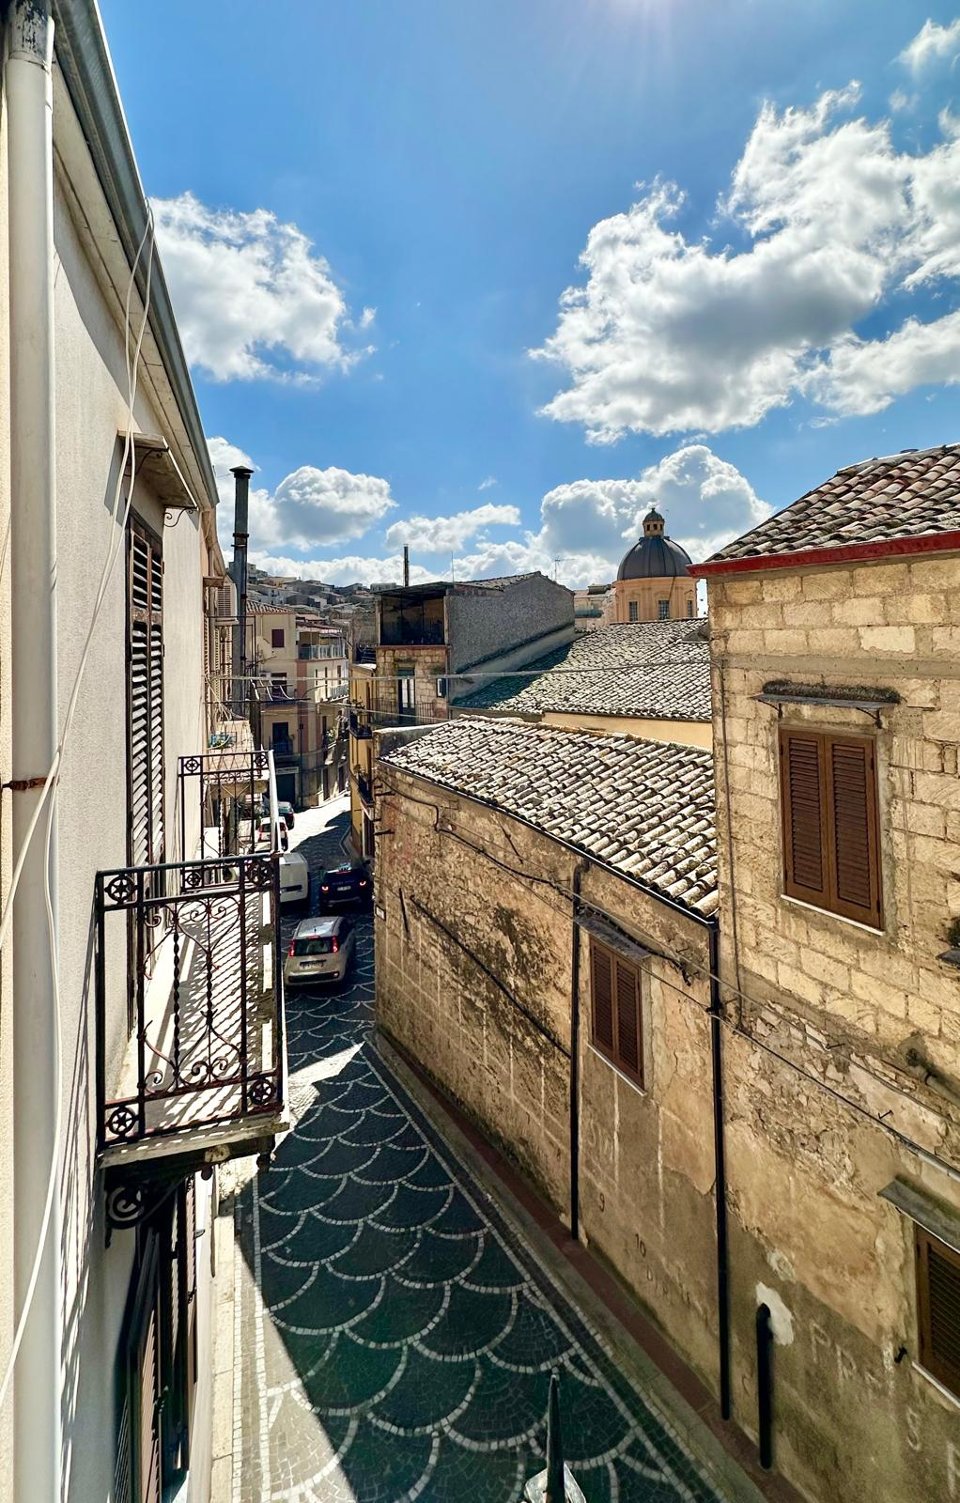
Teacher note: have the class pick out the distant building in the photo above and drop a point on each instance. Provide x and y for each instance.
(428, 639)
(589, 606)
(653, 581)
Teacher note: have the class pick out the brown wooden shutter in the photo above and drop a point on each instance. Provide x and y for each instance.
(938, 1308)
(190, 1280)
(804, 815)
(628, 1018)
(601, 986)
(851, 783)
(139, 1454)
(145, 697)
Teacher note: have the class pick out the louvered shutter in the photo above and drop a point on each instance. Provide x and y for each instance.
(855, 875)
(938, 1308)
(190, 1279)
(601, 985)
(804, 815)
(149, 1406)
(628, 1018)
(145, 697)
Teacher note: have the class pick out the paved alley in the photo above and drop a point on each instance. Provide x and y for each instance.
(397, 1336)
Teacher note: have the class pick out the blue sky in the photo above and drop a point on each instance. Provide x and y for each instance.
(489, 276)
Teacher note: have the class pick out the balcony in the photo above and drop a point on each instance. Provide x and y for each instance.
(283, 751)
(365, 789)
(202, 1078)
(359, 727)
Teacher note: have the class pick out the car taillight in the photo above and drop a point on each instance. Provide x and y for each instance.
(363, 881)
(293, 947)
(336, 944)
(324, 887)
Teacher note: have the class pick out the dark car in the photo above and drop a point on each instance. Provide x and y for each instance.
(344, 884)
(285, 811)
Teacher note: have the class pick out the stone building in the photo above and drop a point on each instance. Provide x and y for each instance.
(430, 638)
(653, 582)
(650, 680)
(301, 669)
(779, 1156)
(836, 659)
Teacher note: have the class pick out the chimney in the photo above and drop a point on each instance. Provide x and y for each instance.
(406, 564)
(241, 476)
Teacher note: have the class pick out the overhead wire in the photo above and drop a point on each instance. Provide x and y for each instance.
(683, 962)
(50, 790)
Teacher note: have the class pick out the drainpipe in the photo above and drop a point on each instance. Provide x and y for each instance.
(575, 951)
(720, 1172)
(241, 477)
(29, 104)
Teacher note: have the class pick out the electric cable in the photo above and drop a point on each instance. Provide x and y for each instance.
(705, 972)
(53, 777)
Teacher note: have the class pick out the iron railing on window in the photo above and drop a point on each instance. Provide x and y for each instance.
(203, 968)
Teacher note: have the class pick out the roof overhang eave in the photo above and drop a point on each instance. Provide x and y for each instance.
(825, 558)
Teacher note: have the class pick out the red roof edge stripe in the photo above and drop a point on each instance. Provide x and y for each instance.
(926, 542)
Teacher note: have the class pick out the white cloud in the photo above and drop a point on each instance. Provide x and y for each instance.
(586, 526)
(867, 375)
(670, 334)
(488, 484)
(252, 297)
(449, 534)
(309, 508)
(932, 44)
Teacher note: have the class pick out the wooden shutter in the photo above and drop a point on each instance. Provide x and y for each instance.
(145, 697)
(851, 794)
(601, 986)
(138, 1461)
(804, 815)
(628, 1019)
(828, 789)
(938, 1308)
(615, 987)
(190, 1282)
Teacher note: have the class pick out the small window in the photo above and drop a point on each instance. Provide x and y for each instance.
(276, 637)
(634, 610)
(828, 794)
(616, 1022)
(690, 606)
(938, 1309)
(663, 610)
(406, 693)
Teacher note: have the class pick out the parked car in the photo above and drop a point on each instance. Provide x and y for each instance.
(322, 949)
(294, 878)
(347, 883)
(285, 811)
(264, 841)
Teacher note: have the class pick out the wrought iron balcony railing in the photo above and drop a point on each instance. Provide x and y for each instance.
(203, 975)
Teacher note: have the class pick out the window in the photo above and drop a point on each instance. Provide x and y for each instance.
(690, 606)
(634, 610)
(938, 1308)
(276, 636)
(406, 693)
(663, 610)
(616, 1023)
(278, 685)
(144, 695)
(828, 795)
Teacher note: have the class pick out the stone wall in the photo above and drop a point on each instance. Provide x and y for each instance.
(845, 1027)
(474, 981)
(483, 623)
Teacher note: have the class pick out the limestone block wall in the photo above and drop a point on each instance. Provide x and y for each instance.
(474, 981)
(850, 1061)
(428, 664)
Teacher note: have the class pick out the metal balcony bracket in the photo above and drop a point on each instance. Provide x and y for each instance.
(131, 1197)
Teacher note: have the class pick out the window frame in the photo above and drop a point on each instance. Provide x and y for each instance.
(633, 611)
(618, 963)
(829, 899)
(663, 609)
(275, 633)
(945, 1374)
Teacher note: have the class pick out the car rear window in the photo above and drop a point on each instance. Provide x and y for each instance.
(323, 945)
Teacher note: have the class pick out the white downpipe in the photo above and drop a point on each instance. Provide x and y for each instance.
(29, 106)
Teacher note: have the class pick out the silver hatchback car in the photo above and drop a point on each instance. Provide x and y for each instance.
(322, 949)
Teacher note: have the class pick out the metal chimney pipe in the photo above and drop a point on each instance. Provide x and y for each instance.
(406, 564)
(241, 475)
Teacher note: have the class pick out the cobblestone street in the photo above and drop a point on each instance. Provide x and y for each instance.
(397, 1335)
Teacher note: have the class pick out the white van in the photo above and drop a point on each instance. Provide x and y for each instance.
(294, 878)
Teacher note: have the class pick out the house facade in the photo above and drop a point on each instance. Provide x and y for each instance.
(300, 666)
(119, 646)
(773, 1166)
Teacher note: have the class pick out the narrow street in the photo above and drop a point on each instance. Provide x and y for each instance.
(396, 1337)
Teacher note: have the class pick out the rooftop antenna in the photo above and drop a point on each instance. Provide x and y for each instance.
(558, 559)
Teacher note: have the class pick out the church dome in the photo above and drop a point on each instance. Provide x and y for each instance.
(655, 556)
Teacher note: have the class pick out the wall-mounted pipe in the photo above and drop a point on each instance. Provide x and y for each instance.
(764, 1387)
(720, 1173)
(241, 483)
(28, 102)
(575, 952)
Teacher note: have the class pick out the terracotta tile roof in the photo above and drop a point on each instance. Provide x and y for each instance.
(901, 496)
(643, 808)
(657, 670)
